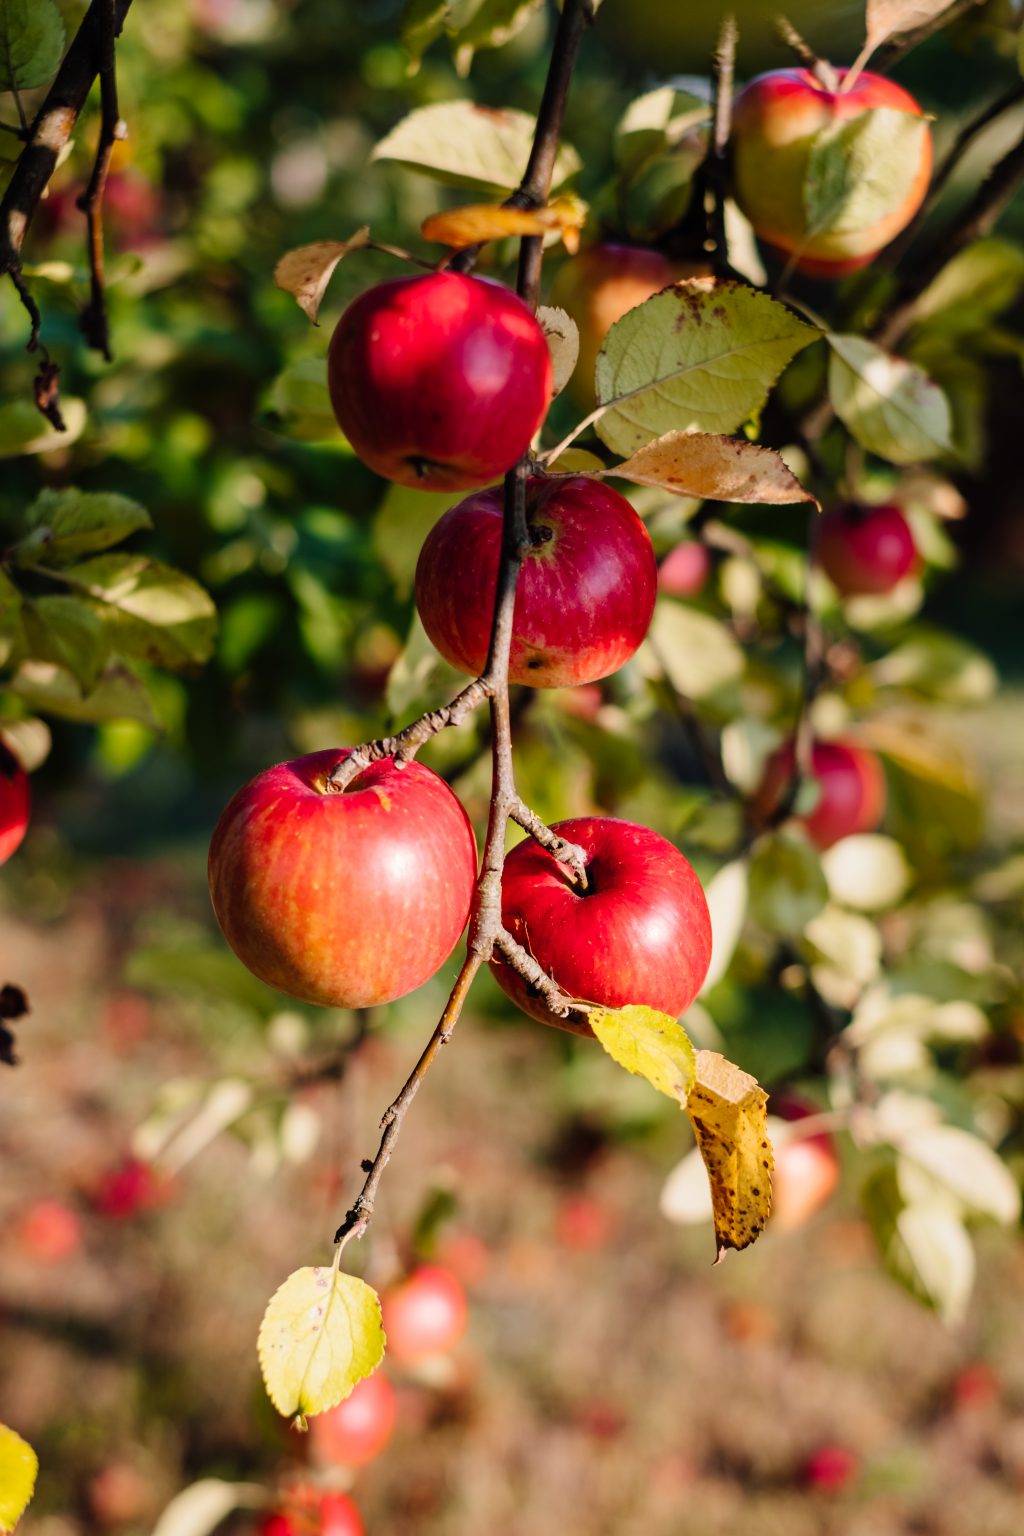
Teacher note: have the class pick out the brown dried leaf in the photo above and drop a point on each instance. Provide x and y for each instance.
(305, 272)
(727, 1110)
(713, 468)
(563, 340)
(478, 222)
(887, 18)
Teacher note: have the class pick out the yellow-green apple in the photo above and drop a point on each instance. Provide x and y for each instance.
(864, 549)
(806, 1173)
(359, 1428)
(15, 803)
(439, 382)
(346, 899)
(586, 589)
(640, 933)
(424, 1315)
(684, 569)
(852, 789)
(777, 119)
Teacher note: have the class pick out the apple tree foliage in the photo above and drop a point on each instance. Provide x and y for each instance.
(880, 976)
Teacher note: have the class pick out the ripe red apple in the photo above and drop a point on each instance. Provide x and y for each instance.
(852, 796)
(439, 381)
(831, 1469)
(640, 933)
(359, 1428)
(15, 801)
(776, 120)
(586, 590)
(424, 1315)
(129, 1188)
(343, 899)
(806, 1172)
(864, 549)
(314, 1512)
(684, 570)
(48, 1230)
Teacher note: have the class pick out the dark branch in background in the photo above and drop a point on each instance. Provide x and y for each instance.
(485, 926)
(717, 164)
(93, 319)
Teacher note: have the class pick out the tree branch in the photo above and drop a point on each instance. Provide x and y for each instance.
(718, 151)
(93, 319)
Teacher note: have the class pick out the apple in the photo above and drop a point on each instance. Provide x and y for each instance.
(359, 1428)
(584, 1223)
(806, 1172)
(852, 795)
(132, 1186)
(598, 287)
(586, 591)
(684, 570)
(424, 1315)
(15, 801)
(640, 933)
(316, 1512)
(49, 1230)
(346, 899)
(120, 1494)
(776, 120)
(864, 549)
(831, 1469)
(439, 382)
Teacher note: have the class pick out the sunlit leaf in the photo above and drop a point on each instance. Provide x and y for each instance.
(65, 525)
(31, 43)
(787, 885)
(649, 1044)
(861, 170)
(200, 1508)
(29, 739)
(886, 18)
(727, 1108)
(320, 1335)
(492, 24)
(889, 405)
(924, 1246)
(469, 146)
(726, 894)
(696, 652)
(713, 468)
(120, 694)
(18, 1468)
(563, 339)
(965, 1166)
(24, 431)
(868, 872)
(153, 613)
(306, 271)
(68, 631)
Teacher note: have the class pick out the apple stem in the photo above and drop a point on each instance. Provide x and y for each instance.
(570, 854)
(821, 69)
(523, 963)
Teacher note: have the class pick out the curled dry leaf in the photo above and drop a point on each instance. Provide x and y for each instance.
(886, 18)
(713, 468)
(563, 339)
(730, 1121)
(476, 223)
(306, 271)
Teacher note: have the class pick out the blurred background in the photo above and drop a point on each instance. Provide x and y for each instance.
(176, 1137)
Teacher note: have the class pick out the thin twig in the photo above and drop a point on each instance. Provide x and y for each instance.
(93, 320)
(718, 153)
(404, 746)
(524, 964)
(820, 68)
(570, 854)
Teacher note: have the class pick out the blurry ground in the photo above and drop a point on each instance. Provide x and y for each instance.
(624, 1388)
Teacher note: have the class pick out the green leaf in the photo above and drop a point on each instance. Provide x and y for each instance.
(68, 631)
(861, 171)
(867, 872)
(493, 24)
(29, 739)
(422, 24)
(12, 631)
(420, 679)
(699, 357)
(320, 1335)
(967, 1168)
(65, 525)
(120, 693)
(937, 666)
(300, 399)
(649, 1044)
(19, 1465)
(152, 613)
(889, 405)
(727, 1109)
(24, 431)
(31, 43)
(696, 652)
(972, 289)
(465, 145)
(727, 894)
(924, 1245)
(787, 884)
(655, 122)
(402, 522)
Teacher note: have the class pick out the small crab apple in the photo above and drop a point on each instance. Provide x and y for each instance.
(806, 1173)
(440, 381)
(586, 590)
(640, 933)
(424, 1315)
(776, 121)
(15, 802)
(864, 550)
(684, 570)
(359, 1428)
(346, 899)
(852, 789)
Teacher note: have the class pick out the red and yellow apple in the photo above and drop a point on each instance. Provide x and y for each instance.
(776, 120)
(359, 1428)
(640, 933)
(424, 1315)
(864, 550)
(15, 803)
(586, 589)
(852, 789)
(346, 899)
(440, 381)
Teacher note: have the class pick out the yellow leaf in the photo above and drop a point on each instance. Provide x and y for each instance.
(18, 1467)
(305, 272)
(320, 1335)
(727, 1110)
(478, 222)
(648, 1043)
(713, 468)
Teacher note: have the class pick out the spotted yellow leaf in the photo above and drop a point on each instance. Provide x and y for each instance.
(650, 1044)
(727, 1109)
(320, 1335)
(18, 1467)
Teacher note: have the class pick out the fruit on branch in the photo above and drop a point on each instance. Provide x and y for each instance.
(684, 570)
(312, 1511)
(439, 382)
(864, 549)
(15, 803)
(806, 1172)
(852, 790)
(586, 590)
(598, 287)
(424, 1315)
(359, 1428)
(640, 933)
(347, 899)
(776, 120)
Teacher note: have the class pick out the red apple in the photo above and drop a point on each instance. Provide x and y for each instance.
(440, 381)
(129, 1188)
(598, 287)
(852, 796)
(684, 570)
(806, 1172)
(424, 1315)
(344, 899)
(15, 800)
(585, 1223)
(315, 1512)
(640, 933)
(49, 1231)
(831, 1469)
(776, 120)
(359, 1428)
(586, 590)
(864, 549)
